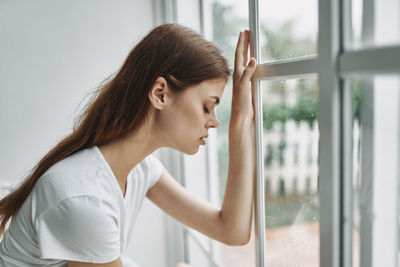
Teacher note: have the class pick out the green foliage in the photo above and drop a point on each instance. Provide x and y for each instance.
(270, 155)
(306, 109)
(273, 114)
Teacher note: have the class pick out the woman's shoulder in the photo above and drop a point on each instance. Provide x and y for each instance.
(77, 175)
(84, 160)
(61, 190)
(150, 169)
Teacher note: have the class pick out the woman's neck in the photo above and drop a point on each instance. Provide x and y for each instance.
(124, 154)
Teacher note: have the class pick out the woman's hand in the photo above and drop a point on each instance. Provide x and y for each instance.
(242, 100)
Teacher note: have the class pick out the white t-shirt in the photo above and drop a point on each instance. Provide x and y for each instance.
(76, 211)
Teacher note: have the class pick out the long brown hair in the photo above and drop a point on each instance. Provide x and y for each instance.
(174, 52)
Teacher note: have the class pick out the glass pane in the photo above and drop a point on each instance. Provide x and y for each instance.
(291, 172)
(376, 171)
(375, 23)
(288, 29)
(229, 18)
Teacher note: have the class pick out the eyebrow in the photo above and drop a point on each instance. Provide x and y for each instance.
(216, 99)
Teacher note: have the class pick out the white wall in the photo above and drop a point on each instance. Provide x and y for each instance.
(52, 53)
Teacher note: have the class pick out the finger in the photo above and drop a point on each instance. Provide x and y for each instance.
(239, 48)
(246, 47)
(249, 70)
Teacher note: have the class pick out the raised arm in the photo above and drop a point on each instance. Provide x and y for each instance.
(236, 212)
(231, 224)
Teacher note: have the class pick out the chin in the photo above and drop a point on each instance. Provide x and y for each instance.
(189, 151)
(186, 148)
(192, 152)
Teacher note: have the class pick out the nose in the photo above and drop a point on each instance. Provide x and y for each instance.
(212, 123)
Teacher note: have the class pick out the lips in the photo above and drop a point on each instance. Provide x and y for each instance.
(203, 139)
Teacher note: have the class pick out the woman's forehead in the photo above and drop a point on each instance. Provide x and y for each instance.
(214, 87)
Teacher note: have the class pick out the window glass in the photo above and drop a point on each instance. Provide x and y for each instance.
(229, 18)
(291, 171)
(375, 23)
(376, 171)
(288, 29)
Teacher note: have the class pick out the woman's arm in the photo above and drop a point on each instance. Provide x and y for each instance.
(236, 212)
(232, 223)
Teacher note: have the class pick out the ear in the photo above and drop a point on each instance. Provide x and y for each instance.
(157, 93)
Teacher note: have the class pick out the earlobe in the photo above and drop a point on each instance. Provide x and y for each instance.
(157, 93)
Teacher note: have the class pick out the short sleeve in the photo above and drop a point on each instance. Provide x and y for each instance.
(79, 229)
(156, 168)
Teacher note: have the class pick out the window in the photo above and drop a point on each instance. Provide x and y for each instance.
(290, 112)
(288, 29)
(374, 23)
(327, 114)
(375, 127)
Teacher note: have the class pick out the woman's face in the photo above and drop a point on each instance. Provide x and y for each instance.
(189, 115)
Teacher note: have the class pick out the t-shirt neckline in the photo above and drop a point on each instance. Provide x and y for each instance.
(104, 161)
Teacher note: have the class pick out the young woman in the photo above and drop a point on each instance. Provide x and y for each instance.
(79, 204)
